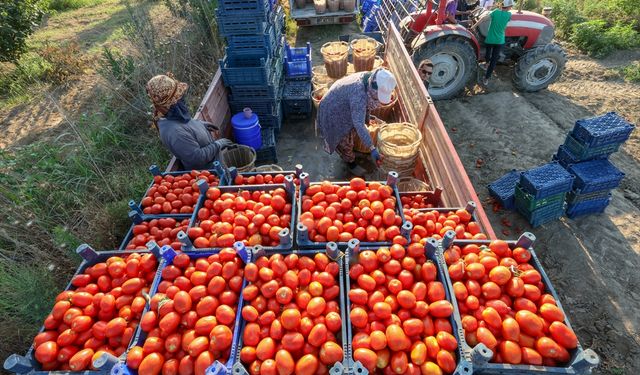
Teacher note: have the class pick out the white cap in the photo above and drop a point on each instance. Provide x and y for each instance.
(507, 3)
(386, 83)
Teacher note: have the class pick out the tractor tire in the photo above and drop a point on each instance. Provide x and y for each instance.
(539, 67)
(454, 65)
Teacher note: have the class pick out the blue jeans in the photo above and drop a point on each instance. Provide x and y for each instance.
(491, 56)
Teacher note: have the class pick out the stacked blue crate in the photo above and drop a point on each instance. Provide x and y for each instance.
(541, 191)
(252, 67)
(585, 154)
(296, 98)
(592, 186)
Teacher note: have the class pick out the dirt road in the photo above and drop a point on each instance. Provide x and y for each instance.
(593, 261)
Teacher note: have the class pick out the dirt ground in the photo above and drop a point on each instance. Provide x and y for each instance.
(593, 260)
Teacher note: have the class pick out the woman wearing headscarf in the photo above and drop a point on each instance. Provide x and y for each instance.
(188, 139)
(344, 112)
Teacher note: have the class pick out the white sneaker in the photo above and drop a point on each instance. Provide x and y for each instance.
(485, 81)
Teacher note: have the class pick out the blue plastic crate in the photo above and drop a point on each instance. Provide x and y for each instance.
(240, 24)
(137, 219)
(296, 98)
(582, 361)
(503, 189)
(246, 72)
(302, 234)
(256, 46)
(574, 197)
(566, 158)
(595, 175)
(298, 53)
(549, 179)
(602, 130)
(542, 215)
(594, 206)
(286, 235)
(244, 7)
(298, 70)
(217, 170)
(463, 366)
(27, 364)
(584, 152)
(168, 254)
(273, 121)
(268, 150)
(261, 107)
(233, 173)
(337, 368)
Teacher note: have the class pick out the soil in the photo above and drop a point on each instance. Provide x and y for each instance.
(592, 261)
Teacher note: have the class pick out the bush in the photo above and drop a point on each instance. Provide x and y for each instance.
(565, 15)
(598, 40)
(590, 37)
(64, 61)
(64, 5)
(18, 19)
(631, 72)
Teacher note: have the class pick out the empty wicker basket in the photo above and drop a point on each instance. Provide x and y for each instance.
(335, 58)
(399, 143)
(240, 156)
(412, 184)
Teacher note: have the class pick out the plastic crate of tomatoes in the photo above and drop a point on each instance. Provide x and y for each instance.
(174, 193)
(263, 177)
(293, 319)
(511, 315)
(163, 230)
(93, 320)
(421, 199)
(253, 214)
(401, 313)
(340, 211)
(191, 323)
(435, 222)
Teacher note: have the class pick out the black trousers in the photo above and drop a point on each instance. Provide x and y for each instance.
(491, 56)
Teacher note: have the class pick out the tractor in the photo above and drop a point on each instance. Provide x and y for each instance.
(455, 49)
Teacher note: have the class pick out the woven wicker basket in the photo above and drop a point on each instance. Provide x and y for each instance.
(378, 62)
(335, 58)
(348, 5)
(412, 184)
(242, 157)
(320, 6)
(399, 143)
(320, 80)
(364, 53)
(333, 5)
(268, 168)
(317, 95)
(384, 112)
(374, 125)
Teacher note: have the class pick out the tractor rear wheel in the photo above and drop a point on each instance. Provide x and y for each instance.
(454, 65)
(539, 67)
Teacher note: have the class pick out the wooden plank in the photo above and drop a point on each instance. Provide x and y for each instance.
(410, 86)
(214, 108)
(439, 163)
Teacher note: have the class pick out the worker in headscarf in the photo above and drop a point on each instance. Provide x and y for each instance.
(344, 112)
(190, 140)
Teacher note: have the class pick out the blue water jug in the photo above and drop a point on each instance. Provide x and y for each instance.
(246, 128)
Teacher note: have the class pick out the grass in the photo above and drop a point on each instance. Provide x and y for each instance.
(631, 72)
(73, 186)
(65, 5)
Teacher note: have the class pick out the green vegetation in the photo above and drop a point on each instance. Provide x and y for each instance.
(597, 27)
(631, 72)
(73, 184)
(63, 5)
(18, 19)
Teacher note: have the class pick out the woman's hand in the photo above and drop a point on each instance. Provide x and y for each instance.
(376, 157)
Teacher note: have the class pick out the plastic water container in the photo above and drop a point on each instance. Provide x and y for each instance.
(246, 128)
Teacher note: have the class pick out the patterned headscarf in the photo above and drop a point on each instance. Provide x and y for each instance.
(164, 91)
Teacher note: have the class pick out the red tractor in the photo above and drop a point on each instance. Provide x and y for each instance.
(455, 49)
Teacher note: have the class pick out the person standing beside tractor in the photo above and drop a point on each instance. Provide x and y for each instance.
(494, 41)
(344, 110)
